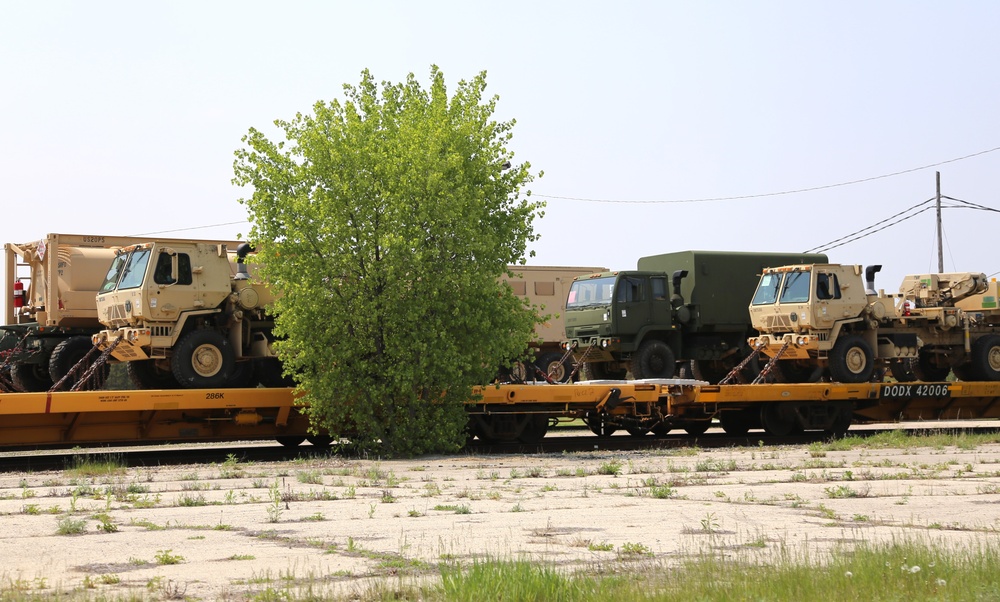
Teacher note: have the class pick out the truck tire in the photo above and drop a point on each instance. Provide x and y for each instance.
(146, 374)
(30, 378)
(927, 370)
(551, 364)
(68, 354)
(269, 373)
(852, 360)
(986, 357)
(601, 371)
(902, 370)
(203, 359)
(653, 360)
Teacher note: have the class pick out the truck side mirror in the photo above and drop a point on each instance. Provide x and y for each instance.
(676, 300)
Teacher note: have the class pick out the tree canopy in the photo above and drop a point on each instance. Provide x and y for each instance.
(384, 222)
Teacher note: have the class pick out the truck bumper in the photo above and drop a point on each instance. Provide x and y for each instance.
(132, 343)
(800, 346)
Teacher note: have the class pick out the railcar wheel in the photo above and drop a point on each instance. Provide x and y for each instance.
(654, 359)
(696, 427)
(599, 424)
(323, 441)
(661, 429)
(637, 431)
(290, 441)
(203, 359)
(841, 424)
(535, 427)
(852, 360)
(30, 378)
(986, 357)
(736, 422)
(148, 374)
(779, 419)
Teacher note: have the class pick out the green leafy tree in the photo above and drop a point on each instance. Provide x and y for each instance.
(384, 222)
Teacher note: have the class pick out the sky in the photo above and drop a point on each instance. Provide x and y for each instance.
(812, 121)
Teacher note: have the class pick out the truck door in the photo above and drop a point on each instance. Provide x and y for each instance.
(631, 309)
(660, 311)
(827, 291)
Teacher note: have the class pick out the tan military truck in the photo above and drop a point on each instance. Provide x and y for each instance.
(546, 287)
(187, 314)
(50, 310)
(823, 320)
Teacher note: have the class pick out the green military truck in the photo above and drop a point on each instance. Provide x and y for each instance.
(682, 314)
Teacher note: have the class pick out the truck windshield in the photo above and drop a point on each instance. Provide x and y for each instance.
(591, 292)
(126, 271)
(767, 290)
(114, 273)
(796, 287)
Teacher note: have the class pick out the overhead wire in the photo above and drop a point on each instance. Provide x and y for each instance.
(773, 194)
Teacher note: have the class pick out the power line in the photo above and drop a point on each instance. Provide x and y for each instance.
(826, 246)
(771, 194)
(186, 229)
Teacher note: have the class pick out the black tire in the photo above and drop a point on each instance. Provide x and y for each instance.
(964, 372)
(902, 370)
(654, 359)
(30, 378)
(552, 365)
(146, 374)
(986, 357)
(290, 441)
(203, 359)
(602, 371)
(67, 355)
(710, 371)
(243, 375)
(269, 373)
(928, 370)
(852, 360)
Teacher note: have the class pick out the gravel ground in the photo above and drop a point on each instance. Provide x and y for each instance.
(234, 530)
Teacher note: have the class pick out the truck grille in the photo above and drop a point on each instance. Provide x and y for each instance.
(772, 323)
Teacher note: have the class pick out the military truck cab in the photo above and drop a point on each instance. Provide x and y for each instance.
(185, 314)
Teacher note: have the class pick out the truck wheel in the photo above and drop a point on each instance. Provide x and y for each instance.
(986, 357)
(552, 365)
(852, 360)
(927, 370)
(653, 360)
(147, 374)
(601, 371)
(269, 373)
(30, 378)
(68, 354)
(203, 359)
(902, 370)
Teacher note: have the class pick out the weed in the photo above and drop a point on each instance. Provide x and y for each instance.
(68, 525)
(166, 557)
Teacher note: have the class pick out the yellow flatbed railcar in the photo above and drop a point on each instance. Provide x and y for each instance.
(505, 412)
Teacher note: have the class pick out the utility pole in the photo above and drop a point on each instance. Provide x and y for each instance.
(940, 243)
